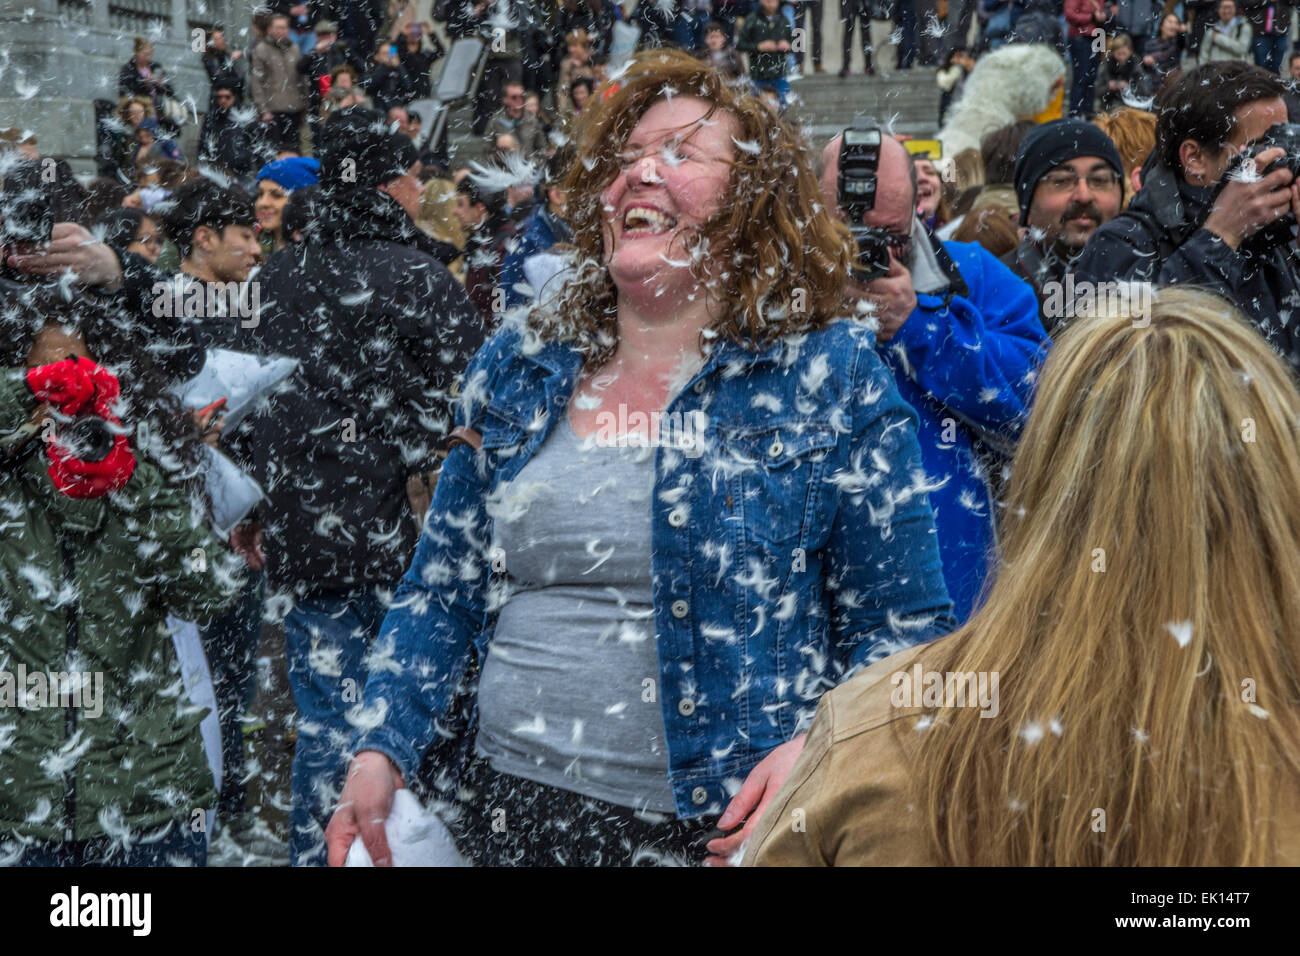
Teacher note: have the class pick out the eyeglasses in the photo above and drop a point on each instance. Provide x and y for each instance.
(1067, 180)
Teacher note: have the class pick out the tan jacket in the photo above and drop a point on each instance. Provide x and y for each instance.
(847, 801)
(277, 84)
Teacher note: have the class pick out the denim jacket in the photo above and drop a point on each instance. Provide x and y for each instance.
(791, 546)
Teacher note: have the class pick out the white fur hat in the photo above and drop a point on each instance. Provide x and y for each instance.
(1017, 81)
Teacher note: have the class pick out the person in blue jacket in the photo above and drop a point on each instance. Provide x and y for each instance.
(544, 228)
(689, 501)
(962, 336)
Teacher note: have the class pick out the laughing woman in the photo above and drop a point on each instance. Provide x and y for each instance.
(653, 611)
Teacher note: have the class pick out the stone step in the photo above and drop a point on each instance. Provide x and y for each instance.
(908, 100)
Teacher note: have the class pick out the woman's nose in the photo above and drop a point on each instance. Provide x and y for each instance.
(644, 171)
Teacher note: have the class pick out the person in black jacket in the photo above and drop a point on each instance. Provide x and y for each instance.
(141, 76)
(417, 58)
(221, 66)
(224, 141)
(382, 331)
(387, 82)
(1068, 180)
(1180, 228)
(329, 52)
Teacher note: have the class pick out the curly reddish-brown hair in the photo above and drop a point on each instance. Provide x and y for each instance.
(775, 254)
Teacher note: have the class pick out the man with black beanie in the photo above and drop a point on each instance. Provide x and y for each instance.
(383, 331)
(1068, 181)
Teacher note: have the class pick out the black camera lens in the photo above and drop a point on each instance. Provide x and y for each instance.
(89, 439)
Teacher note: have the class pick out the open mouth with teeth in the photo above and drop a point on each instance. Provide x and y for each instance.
(646, 221)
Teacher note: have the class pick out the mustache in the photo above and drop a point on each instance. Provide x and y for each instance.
(1077, 209)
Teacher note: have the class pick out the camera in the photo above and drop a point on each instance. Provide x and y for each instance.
(88, 438)
(1280, 135)
(856, 194)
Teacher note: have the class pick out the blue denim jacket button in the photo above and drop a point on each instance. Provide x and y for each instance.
(680, 609)
(698, 387)
(699, 796)
(776, 447)
(686, 707)
(677, 517)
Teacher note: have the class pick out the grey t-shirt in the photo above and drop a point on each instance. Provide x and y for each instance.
(568, 694)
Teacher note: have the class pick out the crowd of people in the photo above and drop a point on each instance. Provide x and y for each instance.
(612, 483)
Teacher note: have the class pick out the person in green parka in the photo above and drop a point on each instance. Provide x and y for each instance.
(101, 759)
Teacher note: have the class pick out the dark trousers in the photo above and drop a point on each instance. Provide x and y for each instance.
(726, 15)
(510, 821)
(282, 132)
(851, 11)
(180, 847)
(1083, 65)
(813, 8)
(230, 643)
(1269, 49)
(905, 11)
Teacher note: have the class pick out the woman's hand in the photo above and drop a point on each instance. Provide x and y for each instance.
(246, 541)
(72, 249)
(364, 805)
(210, 421)
(760, 787)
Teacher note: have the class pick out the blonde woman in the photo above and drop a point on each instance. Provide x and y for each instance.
(1136, 662)
(437, 200)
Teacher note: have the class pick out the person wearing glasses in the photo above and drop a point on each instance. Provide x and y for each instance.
(961, 334)
(512, 119)
(1068, 182)
(654, 612)
(224, 141)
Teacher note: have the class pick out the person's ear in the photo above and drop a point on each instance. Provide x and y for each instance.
(1195, 161)
(1135, 178)
(203, 239)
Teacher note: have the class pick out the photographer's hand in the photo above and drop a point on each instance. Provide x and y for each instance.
(893, 297)
(1244, 208)
(72, 248)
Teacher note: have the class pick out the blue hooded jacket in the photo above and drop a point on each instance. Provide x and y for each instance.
(967, 364)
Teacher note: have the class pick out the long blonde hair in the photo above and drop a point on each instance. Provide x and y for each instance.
(1145, 614)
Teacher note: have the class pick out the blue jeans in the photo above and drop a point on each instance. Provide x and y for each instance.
(1083, 64)
(230, 643)
(1269, 51)
(180, 847)
(305, 41)
(998, 27)
(688, 29)
(327, 636)
(791, 61)
(781, 86)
